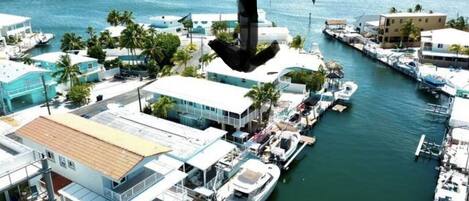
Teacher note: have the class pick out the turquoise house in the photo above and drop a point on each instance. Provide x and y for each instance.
(21, 86)
(90, 69)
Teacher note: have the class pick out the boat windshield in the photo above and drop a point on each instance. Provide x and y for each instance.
(241, 195)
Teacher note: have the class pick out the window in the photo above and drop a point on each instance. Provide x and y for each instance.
(386, 30)
(439, 19)
(90, 66)
(62, 162)
(420, 19)
(71, 165)
(440, 45)
(396, 30)
(426, 20)
(400, 21)
(50, 156)
(392, 21)
(204, 22)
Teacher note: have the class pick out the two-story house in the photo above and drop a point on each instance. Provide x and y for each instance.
(435, 48)
(93, 160)
(89, 68)
(21, 86)
(391, 24)
(12, 25)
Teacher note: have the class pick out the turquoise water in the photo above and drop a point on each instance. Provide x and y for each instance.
(364, 153)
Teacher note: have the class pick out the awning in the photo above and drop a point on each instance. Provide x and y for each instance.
(211, 155)
(76, 192)
(162, 186)
(164, 164)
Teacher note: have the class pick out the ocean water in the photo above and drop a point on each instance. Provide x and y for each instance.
(364, 153)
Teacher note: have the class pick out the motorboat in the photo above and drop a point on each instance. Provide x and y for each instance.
(346, 91)
(254, 182)
(284, 145)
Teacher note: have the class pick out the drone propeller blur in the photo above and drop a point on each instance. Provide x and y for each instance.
(243, 57)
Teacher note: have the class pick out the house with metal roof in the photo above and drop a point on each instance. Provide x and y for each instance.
(11, 25)
(89, 68)
(103, 162)
(21, 86)
(435, 45)
(200, 102)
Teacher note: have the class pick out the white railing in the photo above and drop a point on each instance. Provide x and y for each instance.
(133, 191)
(23, 89)
(12, 177)
(218, 117)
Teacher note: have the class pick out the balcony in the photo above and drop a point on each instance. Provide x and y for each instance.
(217, 117)
(134, 186)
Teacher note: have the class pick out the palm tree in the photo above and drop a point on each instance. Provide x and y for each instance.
(153, 69)
(71, 41)
(207, 58)
(458, 23)
(93, 39)
(126, 18)
(27, 60)
(219, 26)
(297, 43)
(106, 40)
(188, 24)
(456, 48)
(132, 38)
(151, 50)
(163, 106)
(67, 72)
(181, 58)
(409, 10)
(259, 98)
(410, 31)
(393, 10)
(113, 18)
(272, 94)
(418, 8)
(166, 71)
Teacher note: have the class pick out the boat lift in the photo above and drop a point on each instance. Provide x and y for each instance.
(306, 140)
(428, 148)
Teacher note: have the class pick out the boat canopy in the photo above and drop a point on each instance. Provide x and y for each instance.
(211, 155)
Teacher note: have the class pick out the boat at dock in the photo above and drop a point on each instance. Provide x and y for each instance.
(254, 182)
(346, 91)
(283, 145)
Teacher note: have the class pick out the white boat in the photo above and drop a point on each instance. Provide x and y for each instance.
(346, 91)
(254, 182)
(284, 145)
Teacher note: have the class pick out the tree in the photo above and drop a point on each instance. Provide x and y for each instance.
(80, 93)
(166, 71)
(96, 51)
(458, 23)
(219, 26)
(272, 94)
(106, 40)
(314, 81)
(113, 18)
(181, 58)
(153, 69)
(92, 38)
(71, 41)
(317, 81)
(409, 10)
(190, 71)
(456, 48)
(163, 106)
(188, 24)
(132, 38)
(258, 98)
(225, 36)
(297, 42)
(151, 50)
(27, 60)
(410, 31)
(67, 72)
(393, 10)
(126, 18)
(418, 8)
(169, 43)
(207, 58)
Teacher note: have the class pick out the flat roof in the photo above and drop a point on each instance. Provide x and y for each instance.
(443, 54)
(447, 36)
(11, 70)
(76, 192)
(8, 19)
(105, 149)
(54, 57)
(459, 117)
(161, 186)
(211, 155)
(213, 94)
(413, 14)
(184, 141)
(460, 134)
(270, 71)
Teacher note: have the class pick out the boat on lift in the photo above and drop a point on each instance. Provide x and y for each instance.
(284, 145)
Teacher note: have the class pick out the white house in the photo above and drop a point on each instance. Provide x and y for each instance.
(20, 171)
(11, 25)
(269, 34)
(364, 23)
(101, 162)
(435, 47)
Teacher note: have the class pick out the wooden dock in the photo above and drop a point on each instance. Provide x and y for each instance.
(307, 140)
(339, 108)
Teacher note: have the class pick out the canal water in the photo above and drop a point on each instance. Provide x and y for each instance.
(366, 152)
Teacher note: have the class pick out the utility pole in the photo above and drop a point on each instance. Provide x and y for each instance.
(2, 101)
(139, 100)
(48, 179)
(45, 93)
